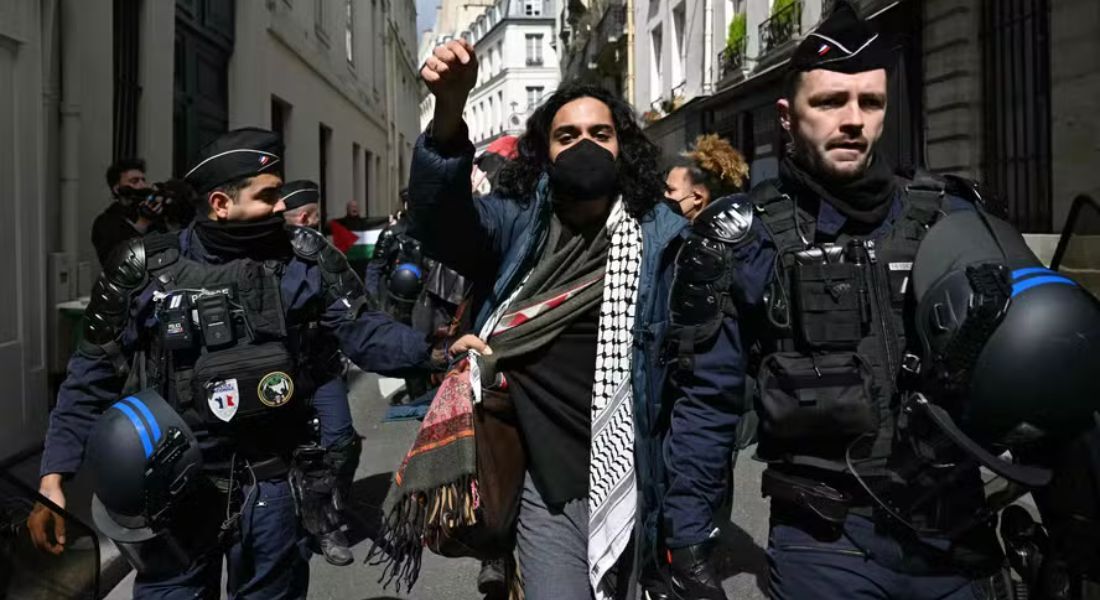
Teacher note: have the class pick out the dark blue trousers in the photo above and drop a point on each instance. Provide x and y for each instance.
(269, 561)
(330, 403)
(805, 563)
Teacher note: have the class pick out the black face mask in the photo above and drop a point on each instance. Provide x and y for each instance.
(258, 239)
(586, 171)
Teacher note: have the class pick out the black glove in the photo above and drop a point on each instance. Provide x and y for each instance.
(692, 575)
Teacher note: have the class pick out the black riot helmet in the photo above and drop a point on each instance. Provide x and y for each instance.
(405, 282)
(1007, 353)
(1017, 345)
(144, 461)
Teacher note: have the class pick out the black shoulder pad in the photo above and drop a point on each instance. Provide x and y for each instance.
(967, 189)
(728, 219)
(126, 265)
(108, 308)
(307, 242)
(764, 193)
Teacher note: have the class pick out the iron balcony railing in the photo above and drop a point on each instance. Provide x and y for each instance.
(781, 27)
(731, 59)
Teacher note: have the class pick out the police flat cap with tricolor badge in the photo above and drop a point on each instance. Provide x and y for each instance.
(297, 194)
(844, 42)
(240, 153)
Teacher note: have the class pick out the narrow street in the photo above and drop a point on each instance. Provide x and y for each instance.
(742, 562)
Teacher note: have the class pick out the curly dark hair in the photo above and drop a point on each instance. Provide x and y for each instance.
(640, 180)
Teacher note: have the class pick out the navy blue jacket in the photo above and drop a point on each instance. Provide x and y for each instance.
(493, 241)
(713, 392)
(372, 340)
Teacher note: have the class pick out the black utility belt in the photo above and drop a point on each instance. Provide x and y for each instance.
(246, 382)
(831, 503)
(228, 479)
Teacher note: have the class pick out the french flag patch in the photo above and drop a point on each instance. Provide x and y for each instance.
(823, 50)
(264, 160)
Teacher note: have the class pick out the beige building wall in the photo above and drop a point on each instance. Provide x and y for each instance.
(1075, 90)
(953, 86)
(57, 124)
(289, 52)
(157, 65)
(23, 348)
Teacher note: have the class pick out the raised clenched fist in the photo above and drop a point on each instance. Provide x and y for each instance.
(451, 71)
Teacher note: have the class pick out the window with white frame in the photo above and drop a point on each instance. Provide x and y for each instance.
(532, 8)
(500, 56)
(534, 49)
(349, 31)
(493, 116)
(319, 19)
(733, 7)
(679, 50)
(534, 95)
(655, 42)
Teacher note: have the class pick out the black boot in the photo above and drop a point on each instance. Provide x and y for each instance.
(691, 574)
(493, 579)
(334, 546)
(654, 583)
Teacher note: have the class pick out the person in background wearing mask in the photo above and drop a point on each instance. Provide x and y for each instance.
(711, 169)
(566, 258)
(129, 216)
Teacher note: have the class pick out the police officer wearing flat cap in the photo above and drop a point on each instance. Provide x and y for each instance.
(324, 472)
(232, 321)
(302, 203)
(795, 299)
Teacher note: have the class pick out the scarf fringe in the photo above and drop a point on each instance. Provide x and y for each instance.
(416, 521)
(515, 581)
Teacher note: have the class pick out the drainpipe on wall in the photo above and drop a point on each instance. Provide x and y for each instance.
(51, 109)
(69, 164)
(708, 47)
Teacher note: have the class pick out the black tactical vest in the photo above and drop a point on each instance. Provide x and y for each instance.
(225, 353)
(834, 340)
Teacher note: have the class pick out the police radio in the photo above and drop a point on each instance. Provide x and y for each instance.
(216, 320)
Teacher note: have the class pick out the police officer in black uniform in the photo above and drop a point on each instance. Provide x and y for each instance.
(397, 270)
(802, 291)
(324, 471)
(231, 321)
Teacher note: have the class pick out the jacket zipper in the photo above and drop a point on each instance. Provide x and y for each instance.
(885, 315)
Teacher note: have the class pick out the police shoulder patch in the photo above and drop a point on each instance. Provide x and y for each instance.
(275, 389)
(223, 399)
(728, 219)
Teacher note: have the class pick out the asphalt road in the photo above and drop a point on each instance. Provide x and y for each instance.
(741, 560)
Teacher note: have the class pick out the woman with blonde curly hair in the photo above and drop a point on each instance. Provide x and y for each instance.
(712, 168)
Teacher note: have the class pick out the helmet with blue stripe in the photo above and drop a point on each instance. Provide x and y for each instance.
(1002, 369)
(1017, 344)
(144, 461)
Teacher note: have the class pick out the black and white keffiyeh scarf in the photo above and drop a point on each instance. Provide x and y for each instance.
(612, 491)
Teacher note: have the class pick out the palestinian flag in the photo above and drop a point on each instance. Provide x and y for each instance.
(356, 238)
